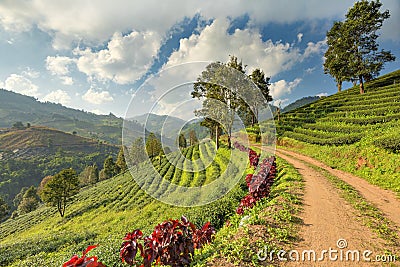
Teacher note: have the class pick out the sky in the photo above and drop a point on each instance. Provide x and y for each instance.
(99, 55)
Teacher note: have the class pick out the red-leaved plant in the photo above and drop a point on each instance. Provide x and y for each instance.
(171, 243)
(84, 261)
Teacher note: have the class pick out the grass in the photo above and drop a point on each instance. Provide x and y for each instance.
(102, 214)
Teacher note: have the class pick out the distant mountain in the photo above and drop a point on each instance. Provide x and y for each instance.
(28, 154)
(19, 108)
(300, 102)
(168, 125)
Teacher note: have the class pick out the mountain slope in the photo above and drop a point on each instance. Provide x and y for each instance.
(300, 102)
(27, 155)
(16, 107)
(356, 133)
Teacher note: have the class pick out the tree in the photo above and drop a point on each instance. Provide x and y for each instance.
(4, 209)
(153, 146)
(110, 168)
(182, 143)
(219, 85)
(137, 152)
(193, 138)
(90, 175)
(60, 189)
(30, 201)
(336, 59)
(258, 100)
(354, 44)
(121, 162)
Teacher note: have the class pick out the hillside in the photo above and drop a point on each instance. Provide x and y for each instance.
(300, 102)
(103, 213)
(352, 132)
(19, 108)
(27, 155)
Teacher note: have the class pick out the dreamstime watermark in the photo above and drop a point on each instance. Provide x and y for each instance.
(340, 253)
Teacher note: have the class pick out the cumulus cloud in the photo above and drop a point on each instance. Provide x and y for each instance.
(310, 70)
(214, 43)
(126, 58)
(21, 85)
(283, 87)
(58, 96)
(299, 37)
(322, 94)
(77, 20)
(280, 102)
(97, 97)
(59, 66)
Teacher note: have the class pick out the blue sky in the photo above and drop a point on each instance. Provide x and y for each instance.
(94, 55)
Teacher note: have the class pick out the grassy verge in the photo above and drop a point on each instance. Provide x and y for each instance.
(271, 225)
(376, 165)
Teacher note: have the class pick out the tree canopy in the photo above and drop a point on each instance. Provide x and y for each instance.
(353, 52)
(59, 189)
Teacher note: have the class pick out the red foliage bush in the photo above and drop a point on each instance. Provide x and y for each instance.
(84, 261)
(171, 243)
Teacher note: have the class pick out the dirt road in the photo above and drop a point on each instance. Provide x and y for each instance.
(330, 223)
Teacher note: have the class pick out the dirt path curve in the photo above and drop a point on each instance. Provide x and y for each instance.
(328, 218)
(384, 200)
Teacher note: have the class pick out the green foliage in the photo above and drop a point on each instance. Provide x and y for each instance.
(110, 169)
(389, 141)
(182, 143)
(59, 190)
(29, 201)
(153, 145)
(4, 209)
(137, 152)
(352, 48)
(121, 162)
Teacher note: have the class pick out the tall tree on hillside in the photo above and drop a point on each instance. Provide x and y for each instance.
(60, 189)
(336, 59)
(221, 102)
(121, 162)
(29, 202)
(110, 169)
(259, 100)
(4, 209)
(193, 138)
(182, 142)
(354, 41)
(153, 145)
(137, 152)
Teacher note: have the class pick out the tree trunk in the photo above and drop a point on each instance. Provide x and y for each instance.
(216, 137)
(361, 84)
(339, 86)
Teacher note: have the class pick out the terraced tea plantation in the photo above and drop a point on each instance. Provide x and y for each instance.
(103, 213)
(347, 117)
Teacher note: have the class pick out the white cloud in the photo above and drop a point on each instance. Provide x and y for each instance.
(283, 87)
(214, 43)
(31, 73)
(299, 37)
(59, 66)
(21, 84)
(58, 96)
(322, 94)
(91, 22)
(98, 112)
(126, 58)
(280, 102)
(310, 70)
(97, 98)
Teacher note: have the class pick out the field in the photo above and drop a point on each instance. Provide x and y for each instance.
(353, 132)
